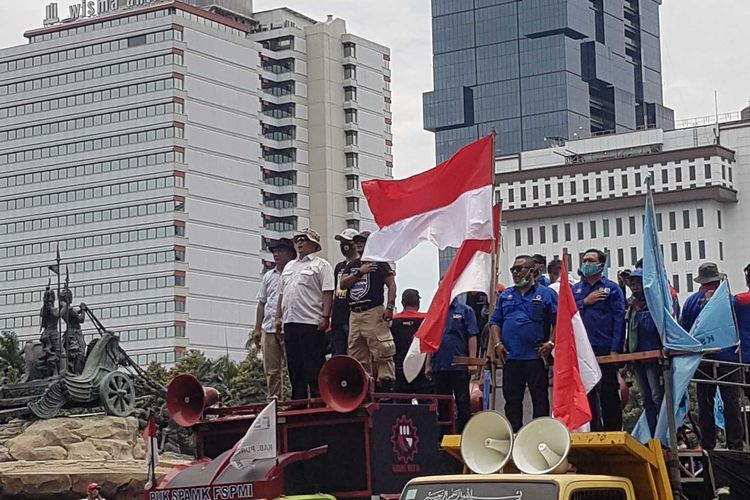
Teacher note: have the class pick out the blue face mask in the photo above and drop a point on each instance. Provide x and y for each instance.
(589, 270)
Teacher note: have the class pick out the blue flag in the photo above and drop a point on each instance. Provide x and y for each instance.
(715, 328)
(718, 409)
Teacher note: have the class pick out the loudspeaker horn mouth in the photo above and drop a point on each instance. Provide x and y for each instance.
(501, 445)
(550, 456)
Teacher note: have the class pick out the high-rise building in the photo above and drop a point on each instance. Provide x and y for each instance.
(589, 193)
(142, 142)
(540, 72)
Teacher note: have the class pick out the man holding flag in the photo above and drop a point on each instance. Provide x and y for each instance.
(522, 332)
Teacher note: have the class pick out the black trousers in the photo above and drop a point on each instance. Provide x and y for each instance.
(420, 385)
(454, 383)
(339, 339)
(730, 396)
(604, 398)
(305, 354)
(517, 375)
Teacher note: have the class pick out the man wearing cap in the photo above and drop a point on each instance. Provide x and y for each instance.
(305, 301)
(265, 336)
(403, 327)
(369, 335)
(709, 279)
(741, 303)
(340, 315)
(642, 335)
(93, 492)
(540, 267)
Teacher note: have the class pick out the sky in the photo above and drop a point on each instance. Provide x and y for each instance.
(703, 42)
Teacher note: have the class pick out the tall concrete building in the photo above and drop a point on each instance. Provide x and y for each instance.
(540, 72)
(139, 140)
(590, 193)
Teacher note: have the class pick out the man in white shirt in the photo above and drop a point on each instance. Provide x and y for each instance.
(305, 302)
(265, 336)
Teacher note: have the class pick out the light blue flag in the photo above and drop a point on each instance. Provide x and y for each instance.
(718, 409)
(682, 370)
(486, 390)
(715, 328)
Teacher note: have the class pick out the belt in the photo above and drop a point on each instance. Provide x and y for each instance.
(361, 309)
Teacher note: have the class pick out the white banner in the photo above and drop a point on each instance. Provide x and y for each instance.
(259, 441)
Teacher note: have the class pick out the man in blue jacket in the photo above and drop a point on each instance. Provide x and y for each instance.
(602, 306)
(709, 279)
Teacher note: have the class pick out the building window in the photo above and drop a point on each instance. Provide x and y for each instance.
(593, 229)
(620, 257)
(673, 248)
(579, 230)
(691, 176)
(633, 255)
(707, 170)
(585, 186)
(721, 250)
(535, 193)
(572, 188)
(567, 232)
(686, 219)
(511, 195)
(699, 217)
(701, 249)
(631, 221)
(352, 204)
(678, 175)
(350, 49)
(518, 237)
(611, 183)
(618, 226)
(676, 282)
(523, 193)
(688, 250)
(352, 182)
(672, 221)
(352, 160)
(547, 191)
(689, 282)
(350, 93)
(352, 224)
(530, 235)
(624, 181)
(637, 179)
(350, 72)
(664, 177)
(605, 228)
(659, 221)
(560, 190)
(555, 236)
(598, 186)
(718, 218)
(350, 115)
(351, 137)
(542, 235)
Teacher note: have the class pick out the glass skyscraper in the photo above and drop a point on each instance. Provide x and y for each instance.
(542, 71)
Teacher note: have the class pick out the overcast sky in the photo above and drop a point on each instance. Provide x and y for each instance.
(704, 48)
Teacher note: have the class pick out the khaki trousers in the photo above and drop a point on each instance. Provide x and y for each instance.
(272, 348)
(370, 340)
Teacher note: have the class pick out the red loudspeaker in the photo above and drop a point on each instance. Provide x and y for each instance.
(343, 383)
(187, 398)
(476, 396)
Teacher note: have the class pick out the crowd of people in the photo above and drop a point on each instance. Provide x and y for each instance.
(309, 309)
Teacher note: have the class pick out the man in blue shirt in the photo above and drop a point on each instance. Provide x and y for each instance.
(522, 332)
(602, 306)
(642, 335)
(459, 339)
(709, 278)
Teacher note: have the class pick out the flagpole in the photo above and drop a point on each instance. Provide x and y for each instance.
(63, 359)
(492, 298)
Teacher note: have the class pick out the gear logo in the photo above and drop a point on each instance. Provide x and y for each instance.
(404, 439)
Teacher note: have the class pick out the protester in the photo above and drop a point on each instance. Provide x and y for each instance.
(642, 335)
(369, 335)
(622, 279)
(540, 266)
(459, 339)
(522, 332)
(340, 314)
(266, 337)
(709, 279)
(305, 301)
(403, 327)
(553, 270)
(602, 307)
(741, 303)
(93, 492)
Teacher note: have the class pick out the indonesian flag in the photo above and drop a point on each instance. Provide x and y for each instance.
(470, 271)
(576, 370)
(152, 452)
(444, 205)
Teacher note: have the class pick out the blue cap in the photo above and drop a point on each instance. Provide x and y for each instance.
(637, 273)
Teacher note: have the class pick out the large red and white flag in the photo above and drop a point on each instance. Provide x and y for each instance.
(444, 205)
(576, 370)
(470, 271)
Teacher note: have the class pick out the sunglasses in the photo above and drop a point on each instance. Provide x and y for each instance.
(518, 269)
(300, 239)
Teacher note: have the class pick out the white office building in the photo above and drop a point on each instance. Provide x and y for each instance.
(138, 141)
(590, 193)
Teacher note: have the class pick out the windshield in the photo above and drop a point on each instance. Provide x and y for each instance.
(481, 491)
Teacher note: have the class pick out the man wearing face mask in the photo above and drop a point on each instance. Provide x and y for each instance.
(602, 306)
(522, 332)
(642, 335)
(340, 311)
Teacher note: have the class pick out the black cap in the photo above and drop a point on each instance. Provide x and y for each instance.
(410, 295)
(283, 243)
(362, 236)
(539, 259)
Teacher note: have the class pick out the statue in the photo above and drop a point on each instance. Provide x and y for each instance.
(73, 340)
(50, 336)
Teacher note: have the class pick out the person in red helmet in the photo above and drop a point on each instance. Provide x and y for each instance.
(93, 492)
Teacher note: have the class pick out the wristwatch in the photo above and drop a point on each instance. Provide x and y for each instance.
(390, 307)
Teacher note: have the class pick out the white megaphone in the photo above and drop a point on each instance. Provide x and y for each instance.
(486, 442)
(542, 447)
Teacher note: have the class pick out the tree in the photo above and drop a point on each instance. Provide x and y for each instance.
(11, 357)
(249, 383)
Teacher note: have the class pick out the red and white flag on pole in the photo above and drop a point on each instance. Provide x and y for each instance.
(445, 205)
(152, 452)
(470, 271)
(576, 370)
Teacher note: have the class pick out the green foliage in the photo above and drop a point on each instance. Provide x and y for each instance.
(248, 385)
(11, 357)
